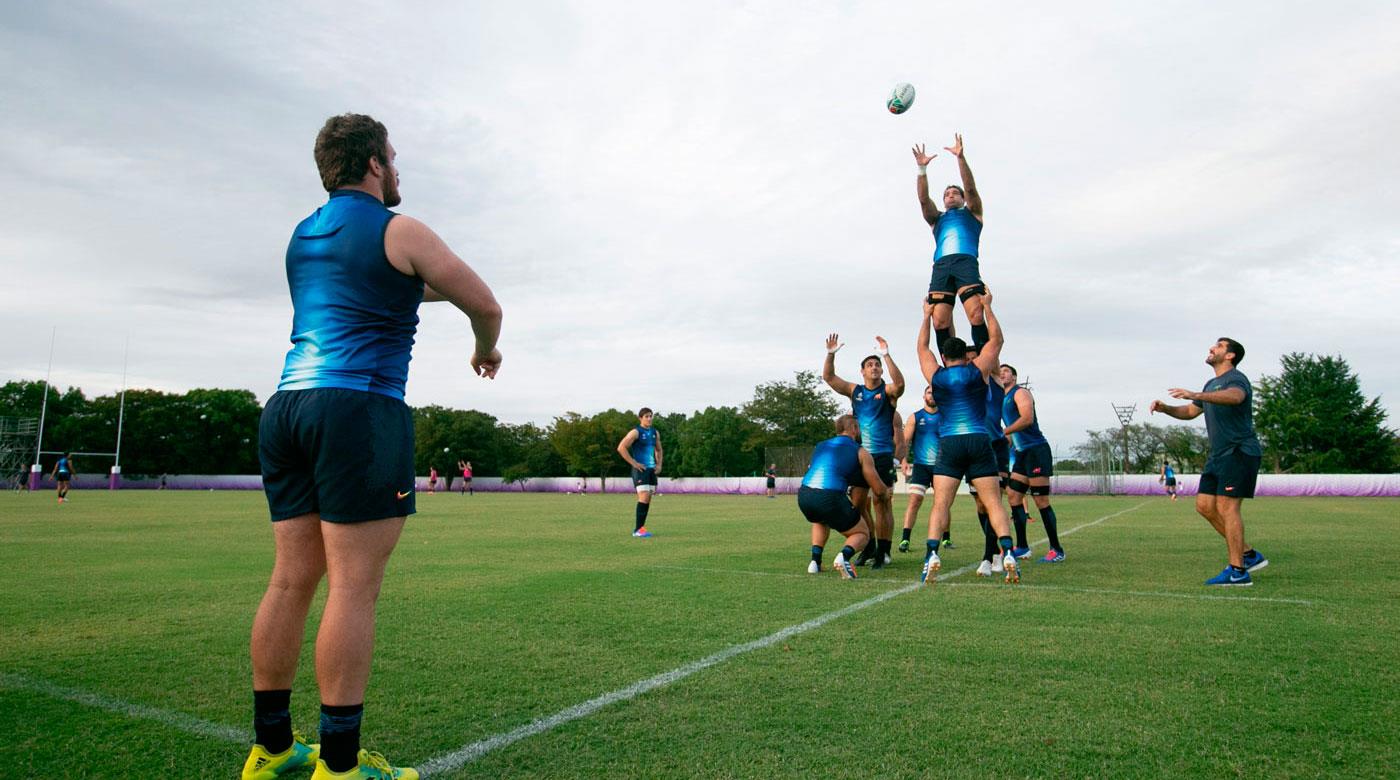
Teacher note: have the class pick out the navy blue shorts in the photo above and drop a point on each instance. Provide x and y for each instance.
(1232, 475)
(831, 508)
(921, 474)
(63, 476)
(952, 273)
(967, 455)
(1002, 449)
(643, 477)
(345, 454)
(1035, 461)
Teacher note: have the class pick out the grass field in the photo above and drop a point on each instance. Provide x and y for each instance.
(126, 616)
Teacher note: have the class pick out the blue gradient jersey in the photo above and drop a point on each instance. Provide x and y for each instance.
(353, 314)
(874, 411)
(835, 464)
(956, 233)
(996, 395)
(63, 466)
(960, 393)
(924, 450)
(1029, 436)
(1169, 473)
(644, 448)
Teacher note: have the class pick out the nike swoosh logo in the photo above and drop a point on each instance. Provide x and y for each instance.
(405, 495)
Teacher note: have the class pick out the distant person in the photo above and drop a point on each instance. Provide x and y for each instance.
(1229, 477)
(62, 474)
(466, 467)
(21, 481)
(1035, 464)
(772, 475)
(432, 480)
(336, 442)
(873, 406)
(162, 482)
(838, 464)
(957, 232)
(641, 448)
(1168, 478)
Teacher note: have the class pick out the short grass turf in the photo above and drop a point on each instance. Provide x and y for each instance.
(126, 616)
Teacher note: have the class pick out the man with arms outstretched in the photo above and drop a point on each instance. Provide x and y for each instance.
(838, 464)
(873, 405)
(336, 441)
(1227, 401)
(956, 232)
(964, 451)
(641, 448)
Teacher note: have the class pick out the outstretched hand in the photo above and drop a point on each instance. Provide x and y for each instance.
(1183, 394)
(921, 157)
(957, 148)
(1157, 406)
(881, 346)
(833, 343)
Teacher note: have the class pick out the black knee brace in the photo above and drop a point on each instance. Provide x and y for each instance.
(972, 292)
(1017, 486)
(1040, 490)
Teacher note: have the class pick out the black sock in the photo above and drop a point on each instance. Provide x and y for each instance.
(942, 335)
(340, 736)
(980, 335)
(905, 535)
(847, 552)
(883, 547)
(1004, 542)
(1052, 531)
(947, 536)
(989, 539)
(817, 554)
(641, 515)
(272, 720)
(870, 548)
(1018, 519)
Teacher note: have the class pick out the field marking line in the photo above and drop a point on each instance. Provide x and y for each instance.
(1156, 594)
(177, 720)
(464, 755)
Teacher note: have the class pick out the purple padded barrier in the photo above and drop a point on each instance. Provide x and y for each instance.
(1359, 485)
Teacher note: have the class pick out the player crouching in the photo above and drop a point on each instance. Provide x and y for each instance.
(838, 464)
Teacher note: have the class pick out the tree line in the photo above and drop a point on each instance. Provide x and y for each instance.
(1311, 417)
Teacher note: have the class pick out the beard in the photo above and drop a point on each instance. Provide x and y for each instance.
(390, 191)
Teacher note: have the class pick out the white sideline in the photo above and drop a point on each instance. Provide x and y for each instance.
(1154, 593)
(470, 752)
(178, 720)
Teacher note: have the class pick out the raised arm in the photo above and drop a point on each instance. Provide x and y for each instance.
(833, 344)
(1025, 410)
(896, 383)
(928, 363)
(974, 199)
(872, 477)
(414, 249)
(926, 204)
(623, 449)
(1183, 412)
(989, 359)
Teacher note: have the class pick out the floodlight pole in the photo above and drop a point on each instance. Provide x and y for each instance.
(1125, 418)
(35, 470)
(116, 475)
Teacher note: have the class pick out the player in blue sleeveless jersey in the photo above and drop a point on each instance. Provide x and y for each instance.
(336, 440)
(957, 232)
(991, 552)
(641, 448)
(1168, 478)
(63, 470)
(1035, 464)
(921, 442)
(873, 405)
(964, 450)
(838, 464)
(1233, 466)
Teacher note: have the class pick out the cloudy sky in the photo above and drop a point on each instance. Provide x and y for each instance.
(677, 201)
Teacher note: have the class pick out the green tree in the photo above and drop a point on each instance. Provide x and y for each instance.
(791, 414)
(721, 442)
(588, 445)
(1148, 444)
(1313, 418)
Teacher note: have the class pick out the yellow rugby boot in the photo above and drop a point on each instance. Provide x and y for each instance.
(373, 766)
(262, 765)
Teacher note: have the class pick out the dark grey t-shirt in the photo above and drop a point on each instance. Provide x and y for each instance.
(1231, 428)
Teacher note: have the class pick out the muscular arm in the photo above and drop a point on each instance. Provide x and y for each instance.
(974, 199)
(1025, 408)
(414, 249)
(901, 441)
(989, 359)
(1184, 412)
(622, 449)
(928, 364)
(872, 477)
(896, 383)
(829, 368)
(926, 204)
(659, 453)
(1230, 396)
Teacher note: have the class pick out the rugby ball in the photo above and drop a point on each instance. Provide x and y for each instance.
(901, 98)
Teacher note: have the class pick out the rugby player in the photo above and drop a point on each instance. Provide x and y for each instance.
(838, 464)
(956, 231)
(1034, 466)
(641, 448)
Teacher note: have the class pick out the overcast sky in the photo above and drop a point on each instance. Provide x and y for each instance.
(676, 202)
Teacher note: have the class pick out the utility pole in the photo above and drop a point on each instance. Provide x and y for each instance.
(1125, 418)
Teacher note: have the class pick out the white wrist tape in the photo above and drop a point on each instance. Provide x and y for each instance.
(923, 170)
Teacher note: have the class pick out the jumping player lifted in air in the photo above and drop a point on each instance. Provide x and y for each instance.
(873, 405)
(956, 232)
(960, 391)
(838, 464)
(641, 448)
(1034, 466)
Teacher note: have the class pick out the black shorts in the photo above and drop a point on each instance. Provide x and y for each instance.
(884, 466)
(345, 454)
(1002, 449)
(921, 474)
(1171, 482)
(772, 483)
(63, 476)
(1232, 475)
(967, 455)
(952, 273)
(831, 508)
(643, 477)
(1035, 461)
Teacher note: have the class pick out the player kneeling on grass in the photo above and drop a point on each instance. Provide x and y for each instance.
(838, 464)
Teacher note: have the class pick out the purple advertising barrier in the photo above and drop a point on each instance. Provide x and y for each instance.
(1322, 485)
(114, 481)
(35, 477)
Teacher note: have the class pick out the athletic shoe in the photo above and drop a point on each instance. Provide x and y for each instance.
(372, 766)
(932, 564)
(642, 533)
(948, 544)
(262, 765)
(844, 567)
(814, 568)
(904, 545)
(1254, 561)
(1054, 556)
(996, 564)
(1228, 576)
(1020, 552)
(984, 569)
(1013, 569)
(880, 561)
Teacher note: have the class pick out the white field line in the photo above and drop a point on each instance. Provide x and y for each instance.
(1153, 594)
(176, 720)
(467, 753)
